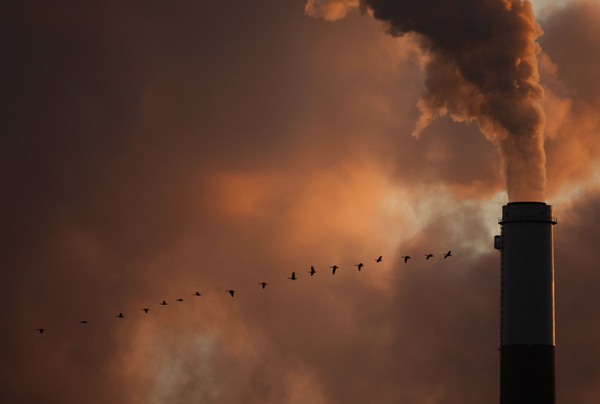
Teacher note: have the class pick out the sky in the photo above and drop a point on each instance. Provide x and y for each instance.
(152, 150)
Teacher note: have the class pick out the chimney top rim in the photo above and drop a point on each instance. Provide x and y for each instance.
(527, 202)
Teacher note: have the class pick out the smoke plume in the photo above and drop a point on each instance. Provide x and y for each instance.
(481, 65)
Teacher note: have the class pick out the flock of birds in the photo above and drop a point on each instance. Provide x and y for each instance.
(312, 271)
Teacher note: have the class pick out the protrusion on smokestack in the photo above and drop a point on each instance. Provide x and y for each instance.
(498, 242)
(527, 304)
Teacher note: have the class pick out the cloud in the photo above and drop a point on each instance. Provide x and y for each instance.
(482, 66)
(149, 152)
(571, 102)
(330, 10)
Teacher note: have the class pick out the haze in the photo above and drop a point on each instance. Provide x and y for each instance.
(152, 150)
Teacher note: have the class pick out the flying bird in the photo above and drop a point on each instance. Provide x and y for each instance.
(293, 276)
(146, 310)
(179, 300)
(406, 258)
(120, 315)
(41, 330)
(334, 268)
(83, 322)
(359, 265)
(379, 259)
(163, 303)
(263, 284)
(231, 292)
(448, 254)
(196, 294)
(312, 271)
(428, 256)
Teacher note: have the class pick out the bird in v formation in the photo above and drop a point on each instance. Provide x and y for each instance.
(293, 277)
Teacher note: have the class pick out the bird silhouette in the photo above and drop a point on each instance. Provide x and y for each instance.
(428, 256)
(448, 254)
(231, 292)
(41, 330)
(293, 276)
(120, 315)
(263, 284)
(379, 259)
(197, 294)
(334, 268)
(359, 265)
(406, 258)
(146, 310)
(312, 271)
(83, 322)
(163, 303)
(179, 300)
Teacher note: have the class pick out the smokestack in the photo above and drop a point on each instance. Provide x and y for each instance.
(527, 304)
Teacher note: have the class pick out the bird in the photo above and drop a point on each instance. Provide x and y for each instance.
(359, 265)
(41, 330)
(293, 276)
(231, 292)
(312, 271)
(83, 322)
(196, 294)
(379, 259)
(179, 300)
(163, 303)
(448, 254)
(146, 310)
(120, 315)
(406, 258)
(334, 268)
(428, 256)
(263, 284)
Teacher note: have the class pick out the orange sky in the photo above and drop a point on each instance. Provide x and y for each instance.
(152, 150)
